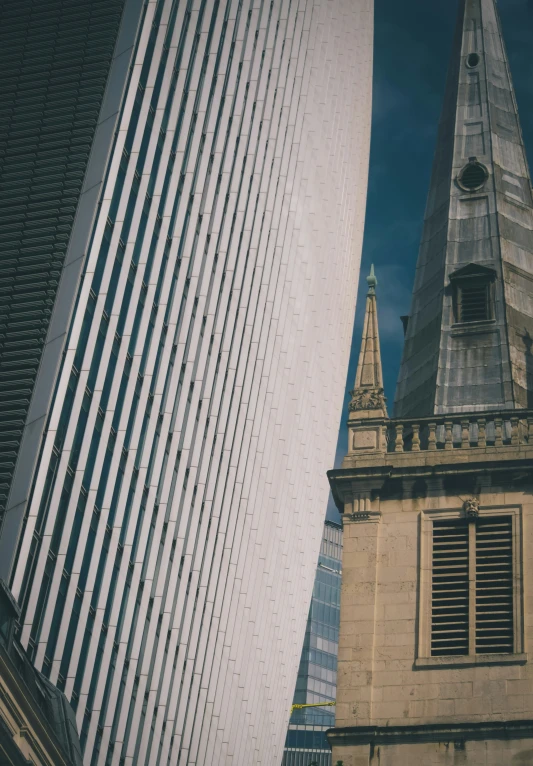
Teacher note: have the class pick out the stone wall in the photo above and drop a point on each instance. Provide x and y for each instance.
(383, 680)
(473, 753)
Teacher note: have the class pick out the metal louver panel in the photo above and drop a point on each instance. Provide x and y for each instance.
(494, 585)
(450, 591)
(474, 302)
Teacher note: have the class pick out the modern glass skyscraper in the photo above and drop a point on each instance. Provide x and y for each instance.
(167, 438)
(317, 676)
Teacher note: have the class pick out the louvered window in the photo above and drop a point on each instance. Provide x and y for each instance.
(473, 289)
(472, 587)
(473, 302)
(450, 593)
(494, 585)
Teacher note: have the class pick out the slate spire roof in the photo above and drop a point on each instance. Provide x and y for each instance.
(468, 344)
(368, 399)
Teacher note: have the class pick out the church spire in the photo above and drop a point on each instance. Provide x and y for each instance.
(470, 331)
(368, 400)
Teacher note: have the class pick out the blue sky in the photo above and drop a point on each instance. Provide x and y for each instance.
(413, 41)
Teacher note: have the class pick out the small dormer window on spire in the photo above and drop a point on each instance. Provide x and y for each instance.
(473, 294)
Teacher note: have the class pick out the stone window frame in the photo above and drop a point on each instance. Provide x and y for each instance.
(424, 658)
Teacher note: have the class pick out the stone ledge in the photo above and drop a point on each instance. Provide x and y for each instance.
(344, 481)
(438, 458)
(470, 661)
(452, 732)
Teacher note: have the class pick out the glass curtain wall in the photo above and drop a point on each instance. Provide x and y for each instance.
(306, 742)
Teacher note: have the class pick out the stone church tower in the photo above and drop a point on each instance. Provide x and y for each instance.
(437, 502)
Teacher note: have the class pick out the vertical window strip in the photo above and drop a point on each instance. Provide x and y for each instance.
(43, 552)
(95, 245)
(80, 302)
(228, 388)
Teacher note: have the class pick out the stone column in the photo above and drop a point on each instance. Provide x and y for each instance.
(358, 613)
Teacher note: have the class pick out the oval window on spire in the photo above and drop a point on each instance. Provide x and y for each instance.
(473, 176)
(472, 60)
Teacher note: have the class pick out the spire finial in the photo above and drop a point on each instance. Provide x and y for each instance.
(372, 281)
(368, 400)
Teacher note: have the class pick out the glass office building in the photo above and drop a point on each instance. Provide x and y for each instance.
(167, 438)
(317, 675)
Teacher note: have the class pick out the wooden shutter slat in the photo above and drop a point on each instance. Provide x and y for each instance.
(494, 586)
(449, 608)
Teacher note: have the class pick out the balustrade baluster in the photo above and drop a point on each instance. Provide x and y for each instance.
(473, 433)
(398, 444)
(498, 432)
(482, 433)
(465, 434)
(416, 438)
(448, 439)
(432, 438)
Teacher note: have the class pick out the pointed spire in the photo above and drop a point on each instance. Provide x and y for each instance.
(466, 346)
(368, 400)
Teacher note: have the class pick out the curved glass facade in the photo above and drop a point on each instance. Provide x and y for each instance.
(167, 557)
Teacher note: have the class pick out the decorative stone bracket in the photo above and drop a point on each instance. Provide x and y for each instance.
(367, 399)
(471, 508)
(363, 516)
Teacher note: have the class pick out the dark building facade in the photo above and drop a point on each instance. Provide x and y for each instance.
(37, 724)
(317, 675)
(65, 64)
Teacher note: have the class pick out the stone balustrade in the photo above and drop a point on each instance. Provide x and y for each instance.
(460, 431)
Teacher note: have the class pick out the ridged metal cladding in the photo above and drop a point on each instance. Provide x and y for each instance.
(168, 556)
(446, 368)
(55, 60)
